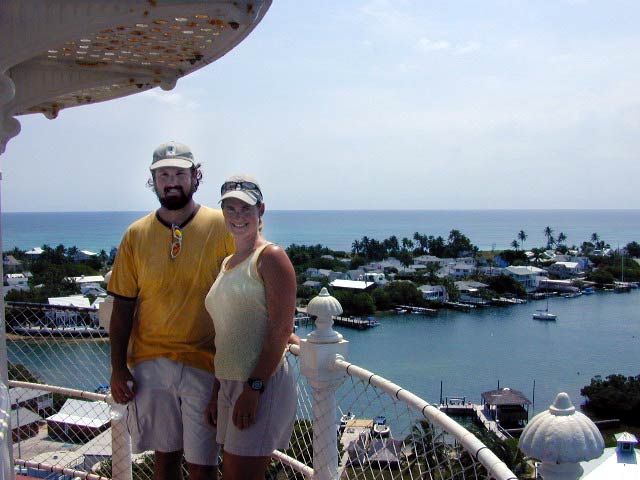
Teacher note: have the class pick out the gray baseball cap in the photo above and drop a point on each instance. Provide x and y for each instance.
(172, 154)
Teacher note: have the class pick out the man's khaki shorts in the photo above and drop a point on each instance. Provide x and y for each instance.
(167, 413)
(274, 419)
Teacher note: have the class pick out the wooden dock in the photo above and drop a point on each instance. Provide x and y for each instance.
(479, 413)
(420, 310)
(354, 322)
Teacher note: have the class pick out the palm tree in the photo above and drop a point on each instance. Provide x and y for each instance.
(595, 238)
(407, 243)
(522, 237)
(561, 238)
(548, 232)
(515, 245)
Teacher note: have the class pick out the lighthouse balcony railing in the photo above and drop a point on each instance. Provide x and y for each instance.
(60, 422)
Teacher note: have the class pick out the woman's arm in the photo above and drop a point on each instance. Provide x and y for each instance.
(280, 288)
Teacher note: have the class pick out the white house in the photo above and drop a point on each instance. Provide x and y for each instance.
(87, 280)
(565, 269)
(84, 255)
(435, 293)
(16, 280)
(528, 276)
(34, 252)
(460, 270)
(374, 277)
(352, 285)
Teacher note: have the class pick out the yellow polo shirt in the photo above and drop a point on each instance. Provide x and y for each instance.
(170, 317)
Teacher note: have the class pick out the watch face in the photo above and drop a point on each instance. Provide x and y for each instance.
(256, 384)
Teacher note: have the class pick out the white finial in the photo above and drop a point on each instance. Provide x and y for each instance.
(324, 306)
(561, 437)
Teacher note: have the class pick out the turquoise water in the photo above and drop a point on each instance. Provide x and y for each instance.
(473, 352)
(338, 229)
(469, 352)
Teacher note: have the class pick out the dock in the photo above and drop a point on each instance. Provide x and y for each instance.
(354, 322)
(420, 310)
(479, 412)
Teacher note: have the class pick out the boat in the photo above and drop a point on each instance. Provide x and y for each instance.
(401, 311)
(544, 314)
(380, 427)
(345, 418)
(571, 294)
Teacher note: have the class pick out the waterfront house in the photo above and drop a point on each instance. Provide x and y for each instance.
(460, 270)
(565, 269)
(79, 421)
(507, 407)
(356, 285)
(529, 277)
(491, 271)
(434, 293)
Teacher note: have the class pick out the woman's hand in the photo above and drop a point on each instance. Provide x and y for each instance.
(245, 408)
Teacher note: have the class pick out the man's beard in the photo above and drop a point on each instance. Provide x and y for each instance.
(176, 202)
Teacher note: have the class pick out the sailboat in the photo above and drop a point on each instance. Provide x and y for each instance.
(543, 314)
(621, 286)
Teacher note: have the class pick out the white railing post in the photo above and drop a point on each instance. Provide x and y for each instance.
(120, 442)
(318, 353)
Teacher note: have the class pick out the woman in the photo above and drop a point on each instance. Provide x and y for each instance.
(252, 304)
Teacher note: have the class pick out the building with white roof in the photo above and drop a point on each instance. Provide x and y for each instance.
(528, 276)
(621, 462)
(79, 421)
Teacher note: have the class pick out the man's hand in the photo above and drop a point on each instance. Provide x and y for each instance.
(211, 412)
(123, 385)
(245, 409)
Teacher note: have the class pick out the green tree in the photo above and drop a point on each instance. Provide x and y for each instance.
(506, 284)
(522, 236)
(405, 257)
(616, 396)
(633, 249)
(381, 299)
(548, 232)
(515, 245)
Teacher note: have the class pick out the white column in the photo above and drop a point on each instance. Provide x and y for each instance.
(120, 442)
(318, 353)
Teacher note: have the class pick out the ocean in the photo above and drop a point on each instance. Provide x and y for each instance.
(487, 229)
(468, 352)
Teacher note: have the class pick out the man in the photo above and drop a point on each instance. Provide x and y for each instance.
(159, 327)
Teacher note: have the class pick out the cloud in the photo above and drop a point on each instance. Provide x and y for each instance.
(173, 99)
(427, 45)
(467, 48)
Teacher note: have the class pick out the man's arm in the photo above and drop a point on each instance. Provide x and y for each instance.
(119, 333)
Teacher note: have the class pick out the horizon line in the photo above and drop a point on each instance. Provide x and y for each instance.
(364, 210)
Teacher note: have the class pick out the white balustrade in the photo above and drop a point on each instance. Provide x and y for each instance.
(318, 354)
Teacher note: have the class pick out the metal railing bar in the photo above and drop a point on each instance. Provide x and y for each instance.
(293, 463)
(70, 392)
(53, 468)
(471, 444)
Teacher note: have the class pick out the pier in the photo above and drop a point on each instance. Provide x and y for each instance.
(354, 322)
(420, 310)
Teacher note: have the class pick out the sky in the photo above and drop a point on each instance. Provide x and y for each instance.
(399, 104)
